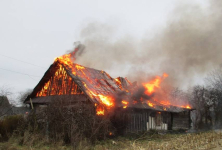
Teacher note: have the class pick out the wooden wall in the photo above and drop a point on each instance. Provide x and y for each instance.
(138, 121)
(146, 119)
(181, 120)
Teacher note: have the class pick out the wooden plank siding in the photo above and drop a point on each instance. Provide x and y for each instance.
(139, 120)
(181, 120)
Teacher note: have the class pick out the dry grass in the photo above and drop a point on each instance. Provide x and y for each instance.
(194, 141)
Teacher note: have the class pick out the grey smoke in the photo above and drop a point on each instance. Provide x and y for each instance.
(189, 46)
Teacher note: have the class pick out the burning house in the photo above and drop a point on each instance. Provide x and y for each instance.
(74, 82)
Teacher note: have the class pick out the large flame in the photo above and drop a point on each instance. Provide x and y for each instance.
(159, 98)
(154, 84)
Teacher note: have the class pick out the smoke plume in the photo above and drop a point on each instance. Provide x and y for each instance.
(189, 46)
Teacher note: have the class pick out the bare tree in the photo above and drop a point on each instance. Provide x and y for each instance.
(23, 95)
(179, 97)
(208, 101)
(214, 81)
(199, 102)
(5, 91)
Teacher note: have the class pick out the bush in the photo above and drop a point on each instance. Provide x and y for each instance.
(8, 125)
(75, 123)
(59, 122)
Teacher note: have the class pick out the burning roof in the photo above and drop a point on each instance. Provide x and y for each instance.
(67, 78)
(97, 84)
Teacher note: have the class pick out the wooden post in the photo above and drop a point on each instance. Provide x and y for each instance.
(171, 124)
(31, 103)
(190, 121)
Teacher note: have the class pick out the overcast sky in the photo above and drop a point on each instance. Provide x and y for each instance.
(38, 31)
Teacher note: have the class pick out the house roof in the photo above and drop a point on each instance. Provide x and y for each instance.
(88, 80)
(92, 82)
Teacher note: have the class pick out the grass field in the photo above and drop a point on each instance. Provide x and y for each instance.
(149, 141)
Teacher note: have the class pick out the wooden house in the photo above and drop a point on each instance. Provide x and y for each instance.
(78, 83)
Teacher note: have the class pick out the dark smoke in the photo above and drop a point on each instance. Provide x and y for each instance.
(137, 95)
(119, 96)
(140, 93)
(78, 51)
(189, 46)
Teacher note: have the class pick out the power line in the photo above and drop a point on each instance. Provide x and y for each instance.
(20, 73)
(22, 61)
(32, 78)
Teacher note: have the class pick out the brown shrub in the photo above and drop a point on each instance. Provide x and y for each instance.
(8, 125)
(71, 123)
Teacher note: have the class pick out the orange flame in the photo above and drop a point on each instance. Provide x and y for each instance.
(78, 67)
(160, 98)
(188, 107)
(107, 100)
(125, 104)
(153, 84)
(100, 110)
(150, 104)
(118, 81)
